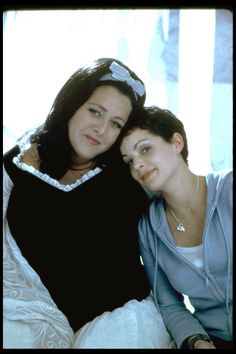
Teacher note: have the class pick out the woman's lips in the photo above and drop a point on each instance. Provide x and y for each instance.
(147, 175)
(92, 140)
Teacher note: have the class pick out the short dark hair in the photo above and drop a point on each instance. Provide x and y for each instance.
(52, 137)
(161, 122)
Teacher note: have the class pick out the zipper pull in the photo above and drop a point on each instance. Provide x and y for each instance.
(206, 278)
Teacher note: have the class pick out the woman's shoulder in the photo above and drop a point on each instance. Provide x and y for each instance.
(31, 157)
(12, 152)
(8, 157)
(218, 179)
(27, 155)
(220, 187)
(20, 155)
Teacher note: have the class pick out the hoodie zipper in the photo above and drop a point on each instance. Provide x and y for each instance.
(209, 281)
(228, 279)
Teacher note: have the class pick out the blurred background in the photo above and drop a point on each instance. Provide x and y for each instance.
(184, 56)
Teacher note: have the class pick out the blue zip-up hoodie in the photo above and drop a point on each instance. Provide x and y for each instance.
(171, 274)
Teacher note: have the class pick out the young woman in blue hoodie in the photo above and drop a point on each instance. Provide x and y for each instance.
(186, 235)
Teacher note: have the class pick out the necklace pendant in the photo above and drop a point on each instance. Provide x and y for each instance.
(180, 228)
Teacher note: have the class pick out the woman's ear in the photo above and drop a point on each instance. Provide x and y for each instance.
(178, 142)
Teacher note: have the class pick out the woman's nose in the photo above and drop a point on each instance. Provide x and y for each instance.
(101, 127)
(138, 163)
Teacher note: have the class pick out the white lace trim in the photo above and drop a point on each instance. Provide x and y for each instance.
(46, 178)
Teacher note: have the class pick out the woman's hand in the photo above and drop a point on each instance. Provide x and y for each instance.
(199, 341)
(202, 344)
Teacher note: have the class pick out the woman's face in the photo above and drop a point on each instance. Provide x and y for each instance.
(151, 159)
(95, 126)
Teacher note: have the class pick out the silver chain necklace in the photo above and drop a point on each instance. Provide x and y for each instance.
(180, 227)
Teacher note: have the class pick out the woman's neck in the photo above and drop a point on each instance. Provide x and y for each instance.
(75, 166)
(186, 210)
(181, 192)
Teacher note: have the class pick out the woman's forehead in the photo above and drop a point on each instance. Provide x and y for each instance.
(137, 133)
(134, 137)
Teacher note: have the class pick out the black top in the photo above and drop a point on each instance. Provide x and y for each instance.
(82, 243)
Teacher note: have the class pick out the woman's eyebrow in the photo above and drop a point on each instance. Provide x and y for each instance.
(136, 145)
(105, 110)
(140, 141)
(98, 105)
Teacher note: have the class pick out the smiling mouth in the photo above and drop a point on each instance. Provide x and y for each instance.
(92, 140)
(147, 175)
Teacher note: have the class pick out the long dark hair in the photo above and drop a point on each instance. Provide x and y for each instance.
(52, 138)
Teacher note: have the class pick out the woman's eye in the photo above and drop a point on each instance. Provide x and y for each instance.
(117, 125)
(94, 112)
(146, 149)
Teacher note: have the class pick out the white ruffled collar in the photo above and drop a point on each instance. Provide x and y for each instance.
(53, 182)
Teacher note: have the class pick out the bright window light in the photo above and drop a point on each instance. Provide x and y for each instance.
(183, 56)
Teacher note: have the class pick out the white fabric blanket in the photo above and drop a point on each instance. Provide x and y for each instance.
(31, 319)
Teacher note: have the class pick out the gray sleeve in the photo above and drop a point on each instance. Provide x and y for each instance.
(178, 320)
